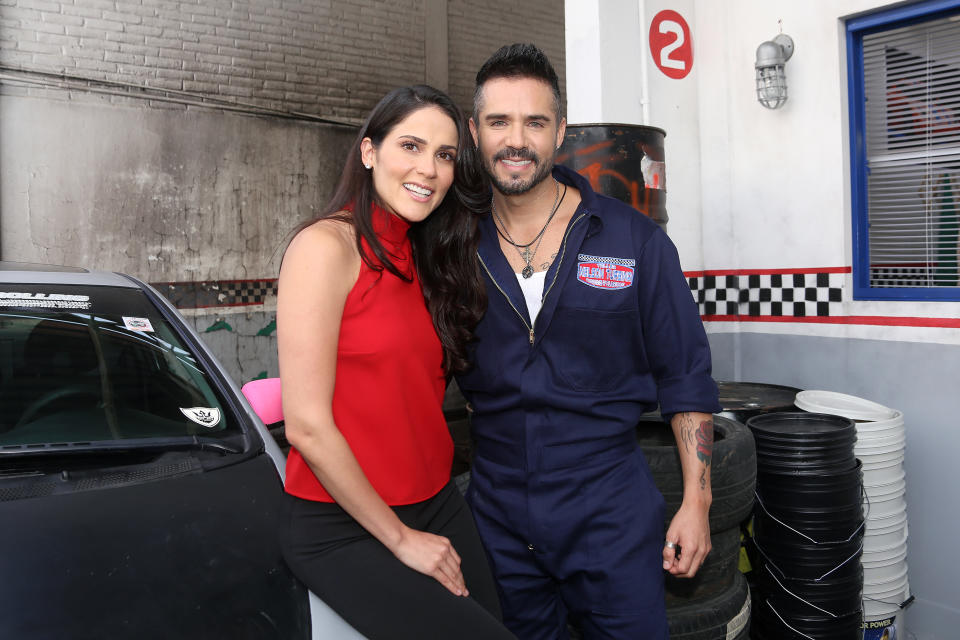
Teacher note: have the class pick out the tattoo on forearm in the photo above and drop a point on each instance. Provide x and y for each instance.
(687, 433)
(700, 440)
(705, 448)
(705, 442)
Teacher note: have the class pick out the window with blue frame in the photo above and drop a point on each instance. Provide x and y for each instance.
(904, 75)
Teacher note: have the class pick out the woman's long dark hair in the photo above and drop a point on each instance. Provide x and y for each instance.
(444, 245)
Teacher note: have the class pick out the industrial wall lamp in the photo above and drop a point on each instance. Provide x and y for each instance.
(772, 55)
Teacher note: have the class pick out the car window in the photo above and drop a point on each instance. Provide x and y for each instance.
(89, 364)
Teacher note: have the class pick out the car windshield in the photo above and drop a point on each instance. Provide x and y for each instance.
(96, 364)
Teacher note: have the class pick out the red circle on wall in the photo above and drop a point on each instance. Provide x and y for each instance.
(670, 44)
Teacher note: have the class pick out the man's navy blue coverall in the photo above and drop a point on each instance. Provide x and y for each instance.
(563, 498)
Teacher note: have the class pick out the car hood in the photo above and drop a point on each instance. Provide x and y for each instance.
(194, 555)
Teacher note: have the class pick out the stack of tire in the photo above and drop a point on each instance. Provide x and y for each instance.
(808, 528)
(716, 604)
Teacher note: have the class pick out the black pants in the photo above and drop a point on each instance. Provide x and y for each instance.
(376, 593)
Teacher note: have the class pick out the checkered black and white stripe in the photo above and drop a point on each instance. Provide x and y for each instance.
(755, 295)
(900, 276)
(249, 292)
(778, 294)
(217, 293)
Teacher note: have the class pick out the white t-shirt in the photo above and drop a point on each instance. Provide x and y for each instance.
(533, 292)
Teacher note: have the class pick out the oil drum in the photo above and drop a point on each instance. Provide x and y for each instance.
(623, 161)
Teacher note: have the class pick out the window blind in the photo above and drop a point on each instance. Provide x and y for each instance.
(911, 81)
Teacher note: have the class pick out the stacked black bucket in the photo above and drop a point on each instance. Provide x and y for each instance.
(808, 528)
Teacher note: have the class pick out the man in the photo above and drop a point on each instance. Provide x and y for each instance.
(590, 324)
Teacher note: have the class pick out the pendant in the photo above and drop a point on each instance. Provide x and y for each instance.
(527, 271)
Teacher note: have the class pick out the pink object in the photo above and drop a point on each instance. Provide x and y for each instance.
(265, 398)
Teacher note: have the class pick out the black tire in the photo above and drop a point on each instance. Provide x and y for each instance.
(733, 469)
(724, 616)
(717, 573)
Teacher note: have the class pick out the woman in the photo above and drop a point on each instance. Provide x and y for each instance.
(376, 303)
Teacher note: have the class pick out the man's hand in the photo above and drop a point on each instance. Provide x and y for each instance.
(690, 532)
(688, 537)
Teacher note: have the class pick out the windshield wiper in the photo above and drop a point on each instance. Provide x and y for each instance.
(120, 446)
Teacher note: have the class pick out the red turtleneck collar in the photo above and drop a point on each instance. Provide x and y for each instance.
(388, 227)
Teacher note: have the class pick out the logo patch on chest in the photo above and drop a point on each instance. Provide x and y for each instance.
(605, 273)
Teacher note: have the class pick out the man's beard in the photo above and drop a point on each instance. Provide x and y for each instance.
(516, 186)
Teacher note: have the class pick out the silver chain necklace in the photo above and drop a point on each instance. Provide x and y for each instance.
(524, 249)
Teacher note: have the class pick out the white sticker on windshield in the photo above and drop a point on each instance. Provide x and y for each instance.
(203, 416)
(137, 324)
(43, 300)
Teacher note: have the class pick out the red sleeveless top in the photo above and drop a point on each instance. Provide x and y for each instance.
(388, 394)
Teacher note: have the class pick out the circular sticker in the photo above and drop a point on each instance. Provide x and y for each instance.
(670, 44)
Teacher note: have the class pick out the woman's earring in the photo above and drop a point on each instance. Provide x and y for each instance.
(366, 166)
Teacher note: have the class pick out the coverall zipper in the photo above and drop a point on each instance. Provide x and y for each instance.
(563, 251)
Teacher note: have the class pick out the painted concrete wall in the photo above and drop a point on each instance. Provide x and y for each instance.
(166, 195)
(754, 192)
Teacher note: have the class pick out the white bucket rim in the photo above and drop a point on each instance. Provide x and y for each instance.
(901, 543)
(883, 449)
(893, 425)
(841, 404)
(887, 540)
(893, 457)
(874, 467)
(898, 481)
(884, 437)
(878, 465)
(880, 572)
(886, 492)
(879, 526)
(881, 521)
(873, 443)
(879, 438)
(884, 556)
(896, 420)
(900, 580)
(895, 584)
(887, 507)
(879, 478)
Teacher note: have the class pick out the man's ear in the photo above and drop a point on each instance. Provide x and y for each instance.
(473, 131)
(561, 131)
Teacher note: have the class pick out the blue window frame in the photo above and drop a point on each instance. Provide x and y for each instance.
(903, 69)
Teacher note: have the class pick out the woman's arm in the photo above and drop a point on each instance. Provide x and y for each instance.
(319, 269)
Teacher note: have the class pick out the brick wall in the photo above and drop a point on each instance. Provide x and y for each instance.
(477, 29)
(325, 57)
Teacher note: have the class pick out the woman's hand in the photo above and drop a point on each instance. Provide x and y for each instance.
(434, 556)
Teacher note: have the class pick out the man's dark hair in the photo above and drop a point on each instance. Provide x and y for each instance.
(517, 61)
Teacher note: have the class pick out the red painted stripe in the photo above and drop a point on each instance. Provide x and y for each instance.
(592, 148)
(765, 272)
(883, 321)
